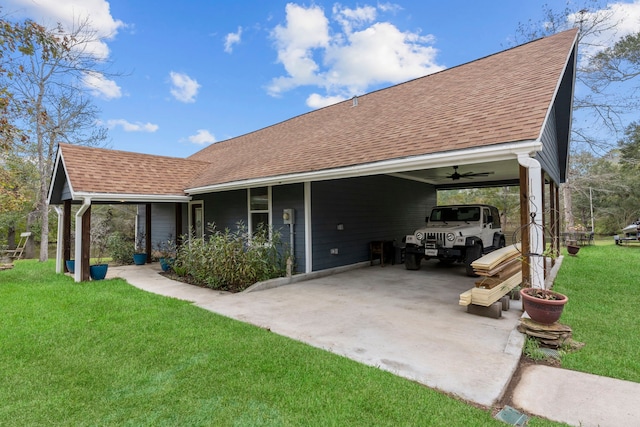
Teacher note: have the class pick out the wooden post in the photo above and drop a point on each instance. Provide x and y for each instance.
(66, 233)
(525, 224)
(86, 246)
(543, 208)
(147, 230)
(178, 223)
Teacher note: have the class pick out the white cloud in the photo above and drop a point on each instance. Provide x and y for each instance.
(68, 13)
(318, 101)
(202, 137)
(306, 30)
(132, 127)
(621, 19)
(231, 39)
(347, 58)
(184, 88)
(349, 18)
(100, 86)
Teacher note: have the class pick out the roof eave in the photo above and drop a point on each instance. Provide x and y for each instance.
(131, 198)
(497, 152)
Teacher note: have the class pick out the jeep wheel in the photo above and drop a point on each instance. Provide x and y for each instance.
(412, 261)
(473, 253)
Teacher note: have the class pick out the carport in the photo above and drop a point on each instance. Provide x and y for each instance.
(404, 322)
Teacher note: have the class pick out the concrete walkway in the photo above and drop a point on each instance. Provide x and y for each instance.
(409, 323)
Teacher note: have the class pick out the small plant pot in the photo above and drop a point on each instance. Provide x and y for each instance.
(572, 249)
(543, 310)
(139, 259)
(98, 271)
(71, 265)
(166, 263)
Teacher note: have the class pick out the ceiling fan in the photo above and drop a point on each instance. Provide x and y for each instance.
(468, 175)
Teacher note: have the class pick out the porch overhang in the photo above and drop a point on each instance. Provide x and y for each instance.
(498, 152)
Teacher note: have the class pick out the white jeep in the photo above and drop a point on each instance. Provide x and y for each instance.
(457, 233)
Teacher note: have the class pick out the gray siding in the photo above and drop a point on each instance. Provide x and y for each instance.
(286, 197)
(369, 208)
(163, 222)
(557, 132)
(225, 209)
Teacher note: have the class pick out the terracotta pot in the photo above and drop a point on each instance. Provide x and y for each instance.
(540, 310)
(573, 250)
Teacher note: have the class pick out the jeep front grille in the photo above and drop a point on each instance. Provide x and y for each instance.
(440, 238)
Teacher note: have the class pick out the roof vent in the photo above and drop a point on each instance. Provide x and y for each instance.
(355, 101)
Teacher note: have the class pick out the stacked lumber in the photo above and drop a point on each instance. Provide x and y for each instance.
(487, 296)
(500, 271)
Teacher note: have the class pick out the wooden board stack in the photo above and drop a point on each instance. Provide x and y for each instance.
(500, 272)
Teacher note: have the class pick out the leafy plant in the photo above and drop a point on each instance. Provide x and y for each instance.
(532, 349)
(232, 260)
(121, 248)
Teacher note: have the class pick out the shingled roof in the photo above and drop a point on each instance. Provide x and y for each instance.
(501, 98)
(97, 171)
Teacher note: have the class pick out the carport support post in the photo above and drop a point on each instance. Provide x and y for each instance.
(533, 227)
(66, 234)
(83, 241)
(147, 231)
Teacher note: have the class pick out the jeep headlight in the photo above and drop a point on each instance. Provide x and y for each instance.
(419, 235)
(451, 237)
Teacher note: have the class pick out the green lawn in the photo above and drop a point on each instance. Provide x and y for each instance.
(603, 286)
(106, 353)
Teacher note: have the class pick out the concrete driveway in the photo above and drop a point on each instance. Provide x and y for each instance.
(405, 322)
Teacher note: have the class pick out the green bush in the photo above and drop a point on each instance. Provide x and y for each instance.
(232, 260)
(120, 248)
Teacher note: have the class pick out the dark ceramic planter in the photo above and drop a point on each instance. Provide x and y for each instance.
(572, 249)
(98, 272)
(139, 259)
(542, 310)
(166, 263)
(71, 265)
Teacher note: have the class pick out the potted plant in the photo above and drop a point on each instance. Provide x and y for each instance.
(71, 265)
(543, 305)
(140, 256)
(166, 254)
(99, 241)
(573, 249)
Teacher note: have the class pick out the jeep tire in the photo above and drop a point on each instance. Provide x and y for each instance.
(473, 253)
(412, 261)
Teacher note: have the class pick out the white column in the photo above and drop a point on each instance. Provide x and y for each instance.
(59, 248)
(535, 229)
(308, 252)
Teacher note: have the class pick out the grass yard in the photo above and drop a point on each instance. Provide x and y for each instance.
(603, 286)
(106, 353)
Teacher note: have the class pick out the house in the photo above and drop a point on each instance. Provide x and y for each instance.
(357, 171)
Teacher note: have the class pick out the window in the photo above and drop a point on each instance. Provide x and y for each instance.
(259, 208)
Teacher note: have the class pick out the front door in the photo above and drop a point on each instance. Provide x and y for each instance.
(197, 219)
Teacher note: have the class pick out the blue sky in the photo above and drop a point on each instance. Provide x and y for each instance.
(199, 72)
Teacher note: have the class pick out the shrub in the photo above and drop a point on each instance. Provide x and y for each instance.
(120, 248)
(232, 260)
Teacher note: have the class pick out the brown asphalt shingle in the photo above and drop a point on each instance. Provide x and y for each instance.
(97, 170)
(497, 99)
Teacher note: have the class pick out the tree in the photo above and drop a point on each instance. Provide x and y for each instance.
(605, 90)
(22, 38)
(49, 105)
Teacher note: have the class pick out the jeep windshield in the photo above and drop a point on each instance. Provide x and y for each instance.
(450, 214)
